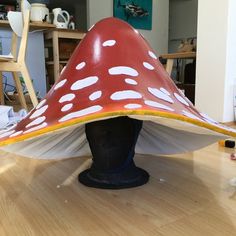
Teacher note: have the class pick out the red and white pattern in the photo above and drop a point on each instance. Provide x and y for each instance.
(113, 69)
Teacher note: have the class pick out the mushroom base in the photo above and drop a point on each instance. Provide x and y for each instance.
(112, 143)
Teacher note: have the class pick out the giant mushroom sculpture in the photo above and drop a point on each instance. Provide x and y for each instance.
(113, 73)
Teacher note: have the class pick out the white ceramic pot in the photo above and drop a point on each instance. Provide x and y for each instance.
(39, 13)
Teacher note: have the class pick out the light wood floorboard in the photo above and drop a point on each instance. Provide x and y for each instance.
(187, 195)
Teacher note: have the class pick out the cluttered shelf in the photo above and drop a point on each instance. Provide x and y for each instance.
(59, 24)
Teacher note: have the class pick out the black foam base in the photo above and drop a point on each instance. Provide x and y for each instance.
(129, 178)
(112, 143)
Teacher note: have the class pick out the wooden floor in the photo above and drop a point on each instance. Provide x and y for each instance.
(188, 195)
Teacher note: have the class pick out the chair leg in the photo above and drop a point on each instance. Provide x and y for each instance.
(29, 85)
(19, 90)
(2, 101)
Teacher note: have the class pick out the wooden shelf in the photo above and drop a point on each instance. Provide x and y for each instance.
(64, 33)
(52, 62)
(33, 25)
(179, 55)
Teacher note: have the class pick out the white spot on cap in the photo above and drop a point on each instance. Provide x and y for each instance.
(60, 84)
(158, 105)
(190, 115)
(39, 112)
(67, 107)
(109, 43)
(181, 99)
(80, 65)
(36, 128)
(152, 54)
(123, 70)
(165, 91)
(36, 122)
(41, 104)
(131, 81)
(80, 113)
(159, 94)
(95, 95)
(67, 98)
(148, 66)
(5, 134)
(16, 134)
(80, 84)
(132, 106)
(208, 118)
(126, 94)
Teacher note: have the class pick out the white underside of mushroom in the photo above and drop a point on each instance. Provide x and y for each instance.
(159, 136)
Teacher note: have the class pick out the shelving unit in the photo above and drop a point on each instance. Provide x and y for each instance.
(59, 45)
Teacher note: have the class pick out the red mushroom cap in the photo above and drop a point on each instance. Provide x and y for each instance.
(113, 72)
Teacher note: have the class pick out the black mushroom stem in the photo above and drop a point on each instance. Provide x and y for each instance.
(112, 143)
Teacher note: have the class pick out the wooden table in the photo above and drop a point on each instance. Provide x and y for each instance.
(55, 35)
(172, 56)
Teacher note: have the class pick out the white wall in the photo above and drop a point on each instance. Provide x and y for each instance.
(216, 61)
(230, 83)
(157, 37)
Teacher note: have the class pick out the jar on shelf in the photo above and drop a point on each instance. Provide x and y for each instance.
(39, 13)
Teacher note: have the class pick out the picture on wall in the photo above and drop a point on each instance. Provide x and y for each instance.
(138, 13)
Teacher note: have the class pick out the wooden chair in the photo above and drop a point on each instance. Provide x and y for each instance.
(14, 62)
